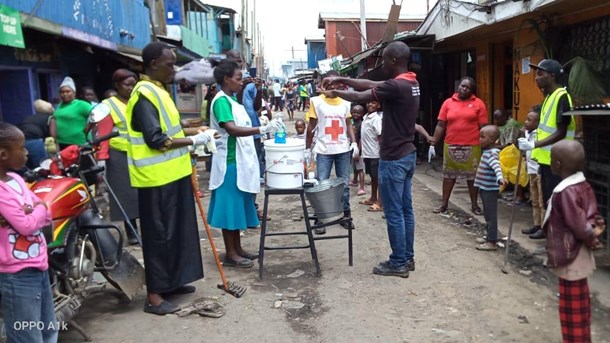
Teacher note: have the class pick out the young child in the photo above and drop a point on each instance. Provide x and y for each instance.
(24, 280)
(358, 162)
(369, 146)
(488, 179)
(300, 126)
(572, 225)
(509, 127)
(531, 124)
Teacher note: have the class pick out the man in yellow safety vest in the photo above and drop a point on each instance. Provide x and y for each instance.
(160, 168)
(553, 126)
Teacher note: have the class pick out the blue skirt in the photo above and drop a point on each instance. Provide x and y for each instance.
(231, 208)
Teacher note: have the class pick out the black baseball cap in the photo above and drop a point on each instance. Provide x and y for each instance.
(550, 66)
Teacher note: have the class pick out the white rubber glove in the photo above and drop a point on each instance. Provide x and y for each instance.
(525, 145)
(274, 125)
(307, 154)
(355, 151)
(431, 153)
(211, 145)
(203, 137)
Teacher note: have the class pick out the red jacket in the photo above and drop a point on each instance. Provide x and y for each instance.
(570, 223)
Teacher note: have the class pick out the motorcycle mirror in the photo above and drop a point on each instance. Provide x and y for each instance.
(99, 112)
(46, 164)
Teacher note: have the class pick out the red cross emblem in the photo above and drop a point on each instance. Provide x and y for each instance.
(334, 130)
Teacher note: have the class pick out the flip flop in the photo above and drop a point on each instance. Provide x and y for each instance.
(361, 192)
(477, 211)
(375, 208)
(441, 209)
(366, 202)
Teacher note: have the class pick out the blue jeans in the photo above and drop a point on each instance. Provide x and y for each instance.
(27, 306)
(342, 162)
(395, 178)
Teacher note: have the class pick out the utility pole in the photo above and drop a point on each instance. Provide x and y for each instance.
(363, 25)
(244, 10)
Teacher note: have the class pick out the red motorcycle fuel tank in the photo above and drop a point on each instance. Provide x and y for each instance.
(66, 197)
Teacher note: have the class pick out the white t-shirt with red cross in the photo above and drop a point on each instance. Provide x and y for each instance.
(331, 133)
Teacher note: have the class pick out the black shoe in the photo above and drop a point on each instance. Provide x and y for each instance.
(162, 309)
(320, 231)
(385, 269)
(411, 265)
(531, 230)
(537, 235)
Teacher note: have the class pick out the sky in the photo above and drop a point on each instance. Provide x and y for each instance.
(284, 24)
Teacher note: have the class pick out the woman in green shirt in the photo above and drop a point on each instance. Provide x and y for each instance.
(235, 174)
(71, 116)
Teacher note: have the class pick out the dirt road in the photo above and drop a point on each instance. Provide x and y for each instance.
(456, 294)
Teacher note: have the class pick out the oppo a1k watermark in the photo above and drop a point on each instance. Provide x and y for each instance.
(37, 325)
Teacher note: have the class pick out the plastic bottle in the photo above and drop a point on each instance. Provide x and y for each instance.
(280, 136)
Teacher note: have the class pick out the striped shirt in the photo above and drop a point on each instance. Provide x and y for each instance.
(489, 172)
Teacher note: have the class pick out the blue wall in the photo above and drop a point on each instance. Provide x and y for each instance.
(101, 18)
(316, 51)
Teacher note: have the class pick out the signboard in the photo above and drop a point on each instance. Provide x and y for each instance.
(87, 38)
(11, 33)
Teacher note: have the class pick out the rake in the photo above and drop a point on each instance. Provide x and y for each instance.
(229, 287)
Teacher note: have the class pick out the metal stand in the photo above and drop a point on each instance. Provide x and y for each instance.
(308, 232)
(308, 227)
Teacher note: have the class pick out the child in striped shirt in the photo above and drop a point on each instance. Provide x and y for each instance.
(488, 180)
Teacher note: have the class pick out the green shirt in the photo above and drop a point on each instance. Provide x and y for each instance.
(71, 121)
(224, 114)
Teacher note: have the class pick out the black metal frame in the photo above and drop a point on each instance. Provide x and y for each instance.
(309, 230)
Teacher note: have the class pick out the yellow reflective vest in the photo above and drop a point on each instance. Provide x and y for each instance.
(117, 111)
(548, 125)
(151, 167)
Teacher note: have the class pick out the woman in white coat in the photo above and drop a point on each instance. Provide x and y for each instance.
(235, 174)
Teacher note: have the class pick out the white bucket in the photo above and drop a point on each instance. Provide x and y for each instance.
(285, 163)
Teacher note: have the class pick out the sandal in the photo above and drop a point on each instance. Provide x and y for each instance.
(441, 209)
(375, 208)
(361, 192)
(367, 202)
(477, 211)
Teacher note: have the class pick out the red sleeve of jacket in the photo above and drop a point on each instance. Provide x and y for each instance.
(578, 207)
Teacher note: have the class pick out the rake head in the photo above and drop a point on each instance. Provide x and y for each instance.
(233, 289)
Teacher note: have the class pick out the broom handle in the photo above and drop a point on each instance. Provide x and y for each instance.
(207, 228)
(512, 215)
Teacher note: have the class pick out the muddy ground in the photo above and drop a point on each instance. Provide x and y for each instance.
(456, 294)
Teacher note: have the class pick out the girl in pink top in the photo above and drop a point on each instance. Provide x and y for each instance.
(24, 280)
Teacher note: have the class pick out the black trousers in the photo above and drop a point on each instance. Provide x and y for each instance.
(548, 181)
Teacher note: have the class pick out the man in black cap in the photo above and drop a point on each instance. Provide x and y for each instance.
(553, 127)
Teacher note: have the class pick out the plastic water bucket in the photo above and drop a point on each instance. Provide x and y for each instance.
(326, 198)
(285, 163)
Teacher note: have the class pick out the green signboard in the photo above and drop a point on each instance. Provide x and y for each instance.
(10, 27)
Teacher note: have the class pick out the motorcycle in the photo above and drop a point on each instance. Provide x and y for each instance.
(79, 241)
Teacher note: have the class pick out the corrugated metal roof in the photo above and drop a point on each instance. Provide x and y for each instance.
(369, 16)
